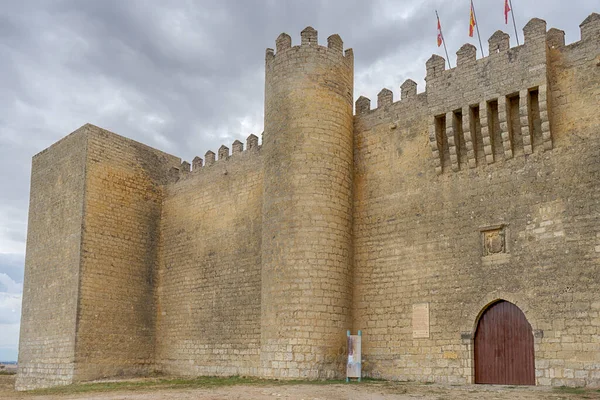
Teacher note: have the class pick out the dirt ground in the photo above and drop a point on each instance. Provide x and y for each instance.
(354, 391)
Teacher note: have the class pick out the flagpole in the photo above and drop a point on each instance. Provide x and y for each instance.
(477, 26)
(514, 23)
(443, 40)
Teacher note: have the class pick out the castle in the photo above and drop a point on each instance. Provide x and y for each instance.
(458, 228)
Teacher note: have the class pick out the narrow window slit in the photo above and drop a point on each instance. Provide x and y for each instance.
(535, 121)
(459, 140)
(514, 124)
(442, 142)
(495, 133)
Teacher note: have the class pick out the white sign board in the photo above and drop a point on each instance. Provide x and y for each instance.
(353, 368)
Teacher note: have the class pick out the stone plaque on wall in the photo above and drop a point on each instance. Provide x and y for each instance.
(420, 320)
(493, 240)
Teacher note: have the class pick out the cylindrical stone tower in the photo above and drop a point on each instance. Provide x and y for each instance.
(307, 208)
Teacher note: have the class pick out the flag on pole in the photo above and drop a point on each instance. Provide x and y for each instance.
(472, 22)
(506, 11)
(440, 38)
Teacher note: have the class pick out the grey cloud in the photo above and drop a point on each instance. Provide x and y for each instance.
(186, 77)
(12, 266)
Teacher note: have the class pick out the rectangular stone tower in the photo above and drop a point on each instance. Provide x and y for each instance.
(92, 248)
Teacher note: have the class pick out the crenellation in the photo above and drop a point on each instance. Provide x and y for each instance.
(385, 98)
(349, 56)
(334, 42)
(363, 105)
(498, 42)
(283, 42)
(223, 152)
(309, 36)
(435, 66)
(555, 38)
(590, 27)
(185, 167)
(408, 89)
(466, 55)
(269, 54)
(237, 147)
(534, 31)
(197, 163)
(252, 142)
(259, 265)
(210, 158)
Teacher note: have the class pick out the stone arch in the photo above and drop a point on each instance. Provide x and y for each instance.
(503, 346)
(476, 310)
(473, 312)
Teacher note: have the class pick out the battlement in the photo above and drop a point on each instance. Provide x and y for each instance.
(210, 158)
(309, 42)
(475, 104)
(254, 259)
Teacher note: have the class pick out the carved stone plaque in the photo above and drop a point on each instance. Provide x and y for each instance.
(420, 320)
(493, 241)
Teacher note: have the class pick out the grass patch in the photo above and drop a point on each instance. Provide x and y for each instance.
(5, 372)
(570, 390)
(173, 383)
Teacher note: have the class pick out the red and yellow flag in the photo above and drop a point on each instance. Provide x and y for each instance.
(440, 38)
(471, 21)
(506, 11)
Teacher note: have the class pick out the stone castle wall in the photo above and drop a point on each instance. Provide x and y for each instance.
(51, 286)
(307, 208)
(209, 276)
(88, 308)
(482, 187)
(420, 230)
(123, 198)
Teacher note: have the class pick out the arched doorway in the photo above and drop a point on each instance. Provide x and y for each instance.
(504, 347)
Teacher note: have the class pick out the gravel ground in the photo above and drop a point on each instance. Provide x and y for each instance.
(355, 391)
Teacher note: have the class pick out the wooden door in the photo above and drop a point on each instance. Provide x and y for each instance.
(504, 347)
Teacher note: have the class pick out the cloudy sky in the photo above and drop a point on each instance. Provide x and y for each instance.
(187, 76)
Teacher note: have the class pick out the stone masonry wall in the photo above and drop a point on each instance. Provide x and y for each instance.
(50, 293)
(116, 314)
(307, 208)
(420, 237)
(209, 285)
(482, 188)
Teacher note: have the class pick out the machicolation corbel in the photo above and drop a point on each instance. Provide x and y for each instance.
(385, 98)
(309, 36)
(499, 41)
(590, 27)
(408, 89)
(466, 55)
